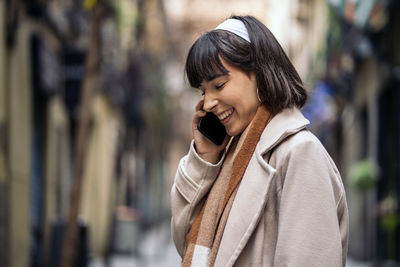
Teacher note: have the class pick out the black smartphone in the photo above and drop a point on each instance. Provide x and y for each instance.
(212, 128)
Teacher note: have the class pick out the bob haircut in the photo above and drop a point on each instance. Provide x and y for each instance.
(278, 82)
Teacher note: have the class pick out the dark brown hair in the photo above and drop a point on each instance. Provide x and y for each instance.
(279, 84)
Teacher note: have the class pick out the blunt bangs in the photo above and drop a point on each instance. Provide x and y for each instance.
(203, 61)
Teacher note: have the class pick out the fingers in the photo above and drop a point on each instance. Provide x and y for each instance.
(199, 105)
(196, 118)
(198, 114)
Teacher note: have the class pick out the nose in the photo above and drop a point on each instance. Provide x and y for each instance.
(210, 102)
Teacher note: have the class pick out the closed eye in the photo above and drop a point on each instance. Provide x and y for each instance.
(220, 86)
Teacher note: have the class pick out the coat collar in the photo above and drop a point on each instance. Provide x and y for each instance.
(251, 197)
(287, 122)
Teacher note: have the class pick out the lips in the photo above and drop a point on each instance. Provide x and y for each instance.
(225, 114)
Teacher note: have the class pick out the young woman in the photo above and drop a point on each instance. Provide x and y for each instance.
(269, 195)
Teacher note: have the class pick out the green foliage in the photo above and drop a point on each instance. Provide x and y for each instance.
(389, 222)
(363, 175)
(126, 15)
(89, 4)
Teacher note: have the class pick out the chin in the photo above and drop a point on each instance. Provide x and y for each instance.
(232, 132)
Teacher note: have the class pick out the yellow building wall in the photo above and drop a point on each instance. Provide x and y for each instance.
(19, 147)
(97, 196)
(2, 100)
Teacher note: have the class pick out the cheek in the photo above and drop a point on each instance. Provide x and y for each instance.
(243, 100)
(249, 102)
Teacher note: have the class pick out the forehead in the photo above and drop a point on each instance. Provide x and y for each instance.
(204, 61)
(216, 76)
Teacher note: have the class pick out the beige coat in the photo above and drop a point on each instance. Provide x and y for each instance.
(290, 208)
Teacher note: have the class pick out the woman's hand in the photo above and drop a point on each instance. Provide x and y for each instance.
(206, 149)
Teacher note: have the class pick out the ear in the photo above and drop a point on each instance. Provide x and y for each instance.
(252, 76)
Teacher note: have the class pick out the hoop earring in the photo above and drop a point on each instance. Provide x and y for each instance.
(258, 96)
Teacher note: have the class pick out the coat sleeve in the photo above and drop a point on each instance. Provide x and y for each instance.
(312, 227)
(193, 181)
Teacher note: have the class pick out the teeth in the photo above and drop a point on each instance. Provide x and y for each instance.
(225, 114)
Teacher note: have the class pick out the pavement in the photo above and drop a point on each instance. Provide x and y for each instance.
(157, 250)
(353, 263)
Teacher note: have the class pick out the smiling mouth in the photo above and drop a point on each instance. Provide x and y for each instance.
(225, 114)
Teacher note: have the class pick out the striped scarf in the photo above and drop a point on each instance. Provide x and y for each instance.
(204, 237)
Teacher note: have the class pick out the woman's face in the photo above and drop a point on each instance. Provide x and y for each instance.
(232, 97)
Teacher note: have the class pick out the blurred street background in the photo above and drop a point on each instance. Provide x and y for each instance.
(95, 114)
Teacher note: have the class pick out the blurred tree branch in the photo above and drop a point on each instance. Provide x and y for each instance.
(71, 239)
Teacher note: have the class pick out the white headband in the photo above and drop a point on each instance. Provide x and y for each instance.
(234, 26)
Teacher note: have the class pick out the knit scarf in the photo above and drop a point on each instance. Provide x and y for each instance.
(204, 237)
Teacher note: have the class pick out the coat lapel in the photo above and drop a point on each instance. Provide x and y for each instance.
(251, 197)
(282, 125)
(246, 210)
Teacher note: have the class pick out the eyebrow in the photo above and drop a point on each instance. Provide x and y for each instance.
(216, 76)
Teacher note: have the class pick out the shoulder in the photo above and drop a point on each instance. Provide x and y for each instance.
(302, 156)
(307, 148)
(298, 143)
